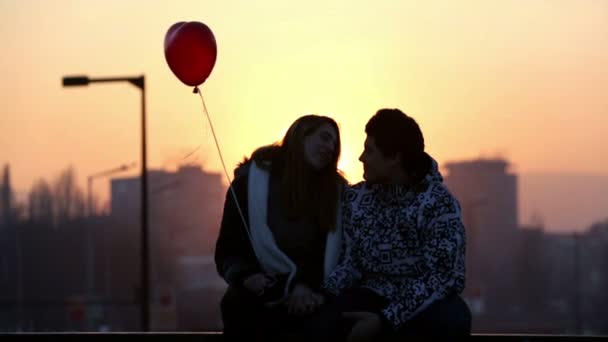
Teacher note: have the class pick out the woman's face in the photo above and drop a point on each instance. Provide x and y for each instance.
(320, 146)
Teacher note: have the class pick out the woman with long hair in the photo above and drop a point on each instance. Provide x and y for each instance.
(280, 233)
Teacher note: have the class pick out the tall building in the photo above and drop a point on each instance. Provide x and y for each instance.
(487, 192)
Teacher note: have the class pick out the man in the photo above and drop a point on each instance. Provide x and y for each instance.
(403, 268)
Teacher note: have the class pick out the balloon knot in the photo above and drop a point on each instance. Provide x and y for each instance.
(195, 91)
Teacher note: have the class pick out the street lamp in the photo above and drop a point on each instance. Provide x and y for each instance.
(121, 168)
(139, 82)
(577, 273)
(90, 269)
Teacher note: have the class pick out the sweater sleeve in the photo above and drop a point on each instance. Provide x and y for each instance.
(234, 255)
(345, 274)
(442, 266)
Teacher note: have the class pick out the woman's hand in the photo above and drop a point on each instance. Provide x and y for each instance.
(257, 283)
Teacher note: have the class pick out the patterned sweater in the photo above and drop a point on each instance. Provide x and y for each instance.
(405, 244)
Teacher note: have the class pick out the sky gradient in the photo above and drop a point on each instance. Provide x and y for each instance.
(523, 80)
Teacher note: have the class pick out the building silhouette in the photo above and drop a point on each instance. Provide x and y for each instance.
(523, 279)
(487, 192)
(185, 212)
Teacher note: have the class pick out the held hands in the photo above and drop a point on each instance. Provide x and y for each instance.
(367, 326)
(303, 300)
(257, 283)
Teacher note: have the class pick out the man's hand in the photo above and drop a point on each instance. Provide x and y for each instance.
(257, 283)
(303, 300)
(367, 326)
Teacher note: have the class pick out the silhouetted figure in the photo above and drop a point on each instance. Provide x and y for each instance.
(403, 268)
(289, 197)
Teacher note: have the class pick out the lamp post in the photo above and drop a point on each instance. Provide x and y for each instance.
(90, 270)
(139, 82)
(577, 290)
(121, 168)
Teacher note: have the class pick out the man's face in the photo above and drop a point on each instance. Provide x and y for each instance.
(376, 167)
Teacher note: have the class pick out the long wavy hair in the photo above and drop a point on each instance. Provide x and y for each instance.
(309, 194)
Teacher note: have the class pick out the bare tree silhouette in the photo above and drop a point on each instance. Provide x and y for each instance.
(69, 199)
(40, 202)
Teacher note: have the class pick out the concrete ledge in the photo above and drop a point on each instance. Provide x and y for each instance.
(217, 336)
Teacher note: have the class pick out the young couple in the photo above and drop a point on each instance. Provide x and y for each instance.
(305, 253)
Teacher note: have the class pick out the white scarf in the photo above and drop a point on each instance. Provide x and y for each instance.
(270, 257)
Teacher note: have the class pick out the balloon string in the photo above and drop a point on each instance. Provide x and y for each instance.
(197, 91)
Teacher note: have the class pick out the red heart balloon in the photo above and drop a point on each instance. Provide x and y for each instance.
(190, 51)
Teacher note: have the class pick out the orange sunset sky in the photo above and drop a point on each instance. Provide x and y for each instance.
(523, 79)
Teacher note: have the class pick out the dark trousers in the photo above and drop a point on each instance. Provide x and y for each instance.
(246, 318)
(446, 318)
(449, 317)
